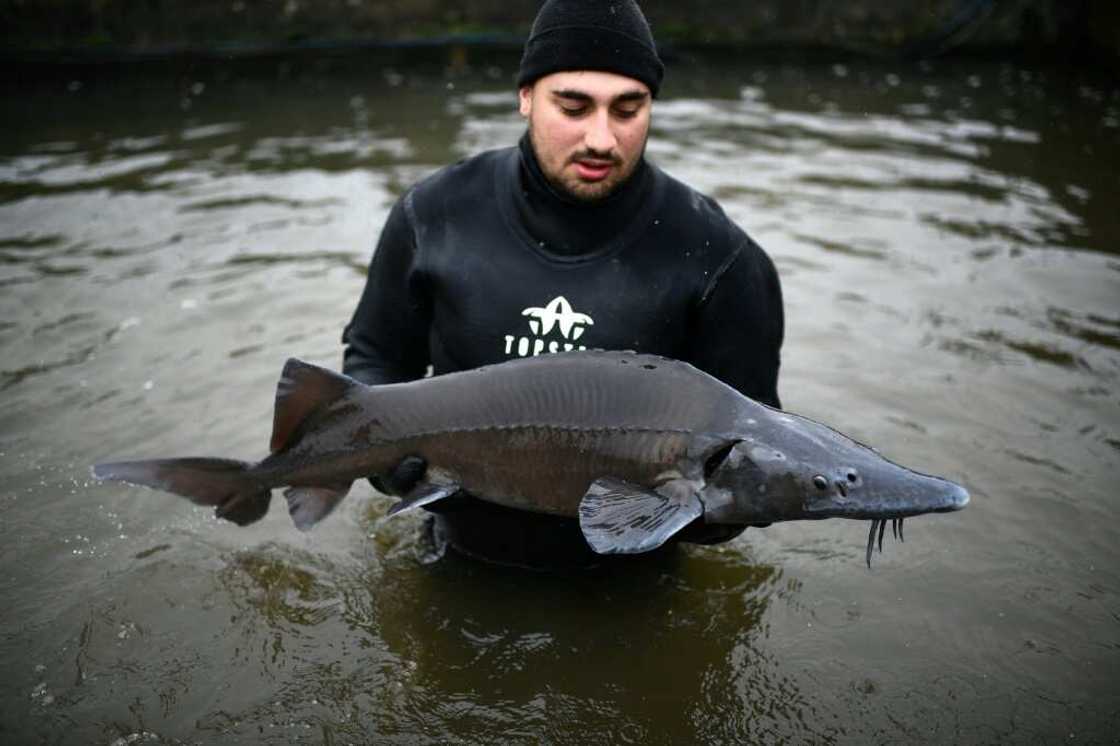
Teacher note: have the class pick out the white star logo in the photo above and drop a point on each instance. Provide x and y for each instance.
(557, 312)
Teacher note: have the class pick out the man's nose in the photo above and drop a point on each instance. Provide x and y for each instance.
(599, 136)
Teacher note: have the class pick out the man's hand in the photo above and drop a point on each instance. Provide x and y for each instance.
(401, 478)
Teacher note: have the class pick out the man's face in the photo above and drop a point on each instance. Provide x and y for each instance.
(588, 129)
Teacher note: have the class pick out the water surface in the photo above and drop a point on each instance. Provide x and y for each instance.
(946, 233)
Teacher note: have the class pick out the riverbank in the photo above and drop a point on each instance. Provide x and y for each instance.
(115, 29)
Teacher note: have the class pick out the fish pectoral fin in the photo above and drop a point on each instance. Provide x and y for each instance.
(424, 494)
(309, 505)
(619, 517)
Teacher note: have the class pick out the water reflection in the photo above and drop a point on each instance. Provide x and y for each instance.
(465, 649)
(291, 591)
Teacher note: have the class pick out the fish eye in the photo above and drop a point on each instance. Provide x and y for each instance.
(820, 482)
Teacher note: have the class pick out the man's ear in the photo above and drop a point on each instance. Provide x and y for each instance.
(525, 100)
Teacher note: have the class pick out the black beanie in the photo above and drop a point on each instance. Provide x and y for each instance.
(608, 35)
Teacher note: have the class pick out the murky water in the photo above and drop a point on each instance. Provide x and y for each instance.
(947, 235)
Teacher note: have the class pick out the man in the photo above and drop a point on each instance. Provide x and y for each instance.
(570, 240)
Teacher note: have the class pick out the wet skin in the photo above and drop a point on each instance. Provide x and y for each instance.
(637, 446)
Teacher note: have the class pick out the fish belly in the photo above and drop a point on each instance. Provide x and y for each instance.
(548, 469)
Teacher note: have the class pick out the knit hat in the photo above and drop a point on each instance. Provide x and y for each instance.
(608, 35)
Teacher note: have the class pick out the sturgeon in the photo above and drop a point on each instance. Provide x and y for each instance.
(635, 446)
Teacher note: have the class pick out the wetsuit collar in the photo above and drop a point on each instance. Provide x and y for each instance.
(563, 225)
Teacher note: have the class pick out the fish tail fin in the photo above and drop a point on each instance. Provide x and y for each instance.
(223, 483)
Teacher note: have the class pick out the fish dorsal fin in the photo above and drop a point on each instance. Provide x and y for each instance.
(303, 390)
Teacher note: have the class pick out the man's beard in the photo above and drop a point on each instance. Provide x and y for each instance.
(575, 188)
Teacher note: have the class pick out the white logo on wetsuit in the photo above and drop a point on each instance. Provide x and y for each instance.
(543, 321)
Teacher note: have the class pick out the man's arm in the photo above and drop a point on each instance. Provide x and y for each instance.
(387, 338)
(740, 324)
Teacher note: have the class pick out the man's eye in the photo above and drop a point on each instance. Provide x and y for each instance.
(626, 113)
(573, 111)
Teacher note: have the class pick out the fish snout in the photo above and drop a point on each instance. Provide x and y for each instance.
(902, 493)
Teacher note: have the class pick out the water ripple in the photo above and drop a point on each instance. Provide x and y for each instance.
(240, 202)
(930, 223)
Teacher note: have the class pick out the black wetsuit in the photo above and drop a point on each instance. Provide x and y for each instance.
(484, 261)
